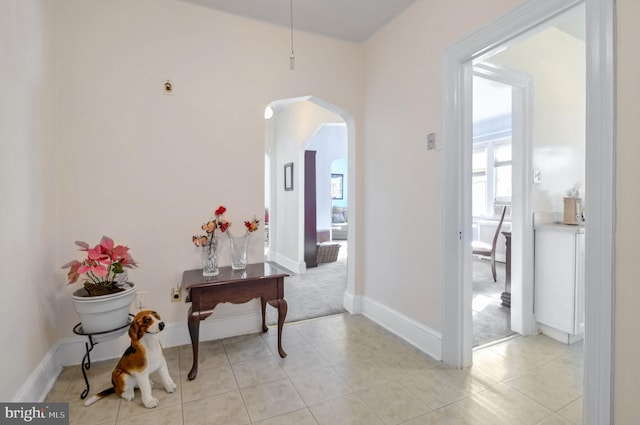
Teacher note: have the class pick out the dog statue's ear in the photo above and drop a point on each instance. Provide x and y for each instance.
(136, 330)
(141, 330)
(133, 330)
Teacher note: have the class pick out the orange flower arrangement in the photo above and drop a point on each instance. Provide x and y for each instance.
(252, 225)
(219, 222)
(210, 227)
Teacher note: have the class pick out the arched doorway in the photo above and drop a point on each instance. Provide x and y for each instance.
(288, 133)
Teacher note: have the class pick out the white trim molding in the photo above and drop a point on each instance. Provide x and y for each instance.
(352, 303)
(41, 380)
(601, 225)
(420, 336)
(522, 317)
(289, 263)
(600, 187)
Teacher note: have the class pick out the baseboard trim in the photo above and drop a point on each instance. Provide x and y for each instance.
(41, 380)
(218, 327)
(288, 263)
(70, 351)
(415, 333)
(558, 335)
(352, 303)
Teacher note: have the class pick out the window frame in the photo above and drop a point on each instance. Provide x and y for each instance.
(491, 199)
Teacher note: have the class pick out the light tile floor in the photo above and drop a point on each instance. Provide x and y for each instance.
(345, 369)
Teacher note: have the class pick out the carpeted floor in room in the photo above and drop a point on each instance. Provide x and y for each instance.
(491, 321)
(317, 292)
(320, 290)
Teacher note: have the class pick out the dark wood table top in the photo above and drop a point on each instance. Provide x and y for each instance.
(195, 279)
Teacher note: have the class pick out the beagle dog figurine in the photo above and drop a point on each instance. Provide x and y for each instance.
(143, 357)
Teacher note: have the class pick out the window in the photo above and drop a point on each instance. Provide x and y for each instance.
(479, 182)
(491, 177)
(502, 170)
(492, 122)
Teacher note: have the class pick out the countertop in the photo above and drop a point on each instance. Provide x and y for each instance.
(559, 227)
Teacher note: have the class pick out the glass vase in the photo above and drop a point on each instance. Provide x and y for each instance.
(239, 246)
(210, 257)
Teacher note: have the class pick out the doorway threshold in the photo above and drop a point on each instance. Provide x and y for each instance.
(496, 342)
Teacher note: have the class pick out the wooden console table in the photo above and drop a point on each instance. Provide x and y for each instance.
(264, 281)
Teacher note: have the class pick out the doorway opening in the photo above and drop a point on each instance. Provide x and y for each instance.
(310, 140)
(548, 146)
(491, 200)
(599, 159)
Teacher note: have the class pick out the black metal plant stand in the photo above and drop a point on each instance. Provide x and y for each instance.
(86, 360)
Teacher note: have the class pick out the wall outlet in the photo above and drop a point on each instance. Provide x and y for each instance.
(176, 294)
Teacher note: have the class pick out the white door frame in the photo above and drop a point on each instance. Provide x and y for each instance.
(522, 318)
(599, 189)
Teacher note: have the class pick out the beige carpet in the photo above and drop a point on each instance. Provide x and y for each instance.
(491, 321)
(319, 292)
(316, 293)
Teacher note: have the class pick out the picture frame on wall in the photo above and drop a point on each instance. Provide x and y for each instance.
(336, 186)
(288, 176)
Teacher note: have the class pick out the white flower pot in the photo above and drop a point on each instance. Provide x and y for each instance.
(105, 312)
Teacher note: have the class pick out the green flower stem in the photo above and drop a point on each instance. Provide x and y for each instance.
(93, 278)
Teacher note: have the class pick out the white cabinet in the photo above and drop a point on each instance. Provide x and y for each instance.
(559, 280)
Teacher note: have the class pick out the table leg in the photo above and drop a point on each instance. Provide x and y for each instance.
(263, 303)
(282, 313)
(193, 322)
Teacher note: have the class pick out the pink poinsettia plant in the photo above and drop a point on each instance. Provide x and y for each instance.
(104, 267)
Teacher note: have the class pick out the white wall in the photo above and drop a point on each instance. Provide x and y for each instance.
(147, 169)
(627, 290)
(556, 61)
(28, 190)
(402, 213)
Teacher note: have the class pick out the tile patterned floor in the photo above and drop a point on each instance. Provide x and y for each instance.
(345, 370)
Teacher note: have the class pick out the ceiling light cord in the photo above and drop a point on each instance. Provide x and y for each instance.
(292, 58)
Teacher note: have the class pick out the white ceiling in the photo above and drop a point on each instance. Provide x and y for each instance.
(490, 99)
(351, 20)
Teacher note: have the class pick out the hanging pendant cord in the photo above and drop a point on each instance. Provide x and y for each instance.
(292, 59)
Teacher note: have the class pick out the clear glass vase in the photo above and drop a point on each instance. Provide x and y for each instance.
(210, 253)
(239, 246)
